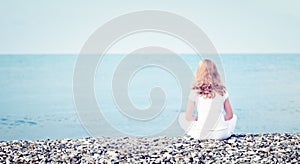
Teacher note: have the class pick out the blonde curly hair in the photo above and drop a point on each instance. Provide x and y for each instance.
(207, 80)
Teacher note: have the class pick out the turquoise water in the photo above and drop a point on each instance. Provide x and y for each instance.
(36, 95)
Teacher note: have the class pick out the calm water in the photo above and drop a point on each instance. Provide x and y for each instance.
(36, 96)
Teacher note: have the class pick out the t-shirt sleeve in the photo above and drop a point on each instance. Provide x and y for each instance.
(226, 95)
(193, 95)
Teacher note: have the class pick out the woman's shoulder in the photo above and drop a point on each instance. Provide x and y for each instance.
(226, 95)
(193, 95)
(223, 97)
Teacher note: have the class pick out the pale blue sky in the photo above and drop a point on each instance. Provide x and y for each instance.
(55, 26)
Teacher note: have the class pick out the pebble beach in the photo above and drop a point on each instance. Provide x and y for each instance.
(241, 148)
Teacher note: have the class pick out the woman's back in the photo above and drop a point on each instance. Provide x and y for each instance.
(210, 117)
(205, 105)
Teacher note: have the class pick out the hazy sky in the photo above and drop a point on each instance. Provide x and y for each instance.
(56, 26)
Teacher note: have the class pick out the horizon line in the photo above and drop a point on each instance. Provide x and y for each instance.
(233, 53)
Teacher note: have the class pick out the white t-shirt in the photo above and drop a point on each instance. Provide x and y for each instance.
(210, 113)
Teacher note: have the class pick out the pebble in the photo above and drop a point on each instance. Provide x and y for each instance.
(265, 149)
(231, 141)
(242, 148)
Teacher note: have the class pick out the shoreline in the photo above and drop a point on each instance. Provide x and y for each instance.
(241, 148)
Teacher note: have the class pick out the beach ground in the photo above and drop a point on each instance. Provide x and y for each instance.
(242, 148)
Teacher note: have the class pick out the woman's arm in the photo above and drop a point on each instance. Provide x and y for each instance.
(228, 110)
(190, 111)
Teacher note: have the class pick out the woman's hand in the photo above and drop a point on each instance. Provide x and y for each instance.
(196, 118)
(227, 117)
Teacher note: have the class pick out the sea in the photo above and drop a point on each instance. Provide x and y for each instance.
(37, 95)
